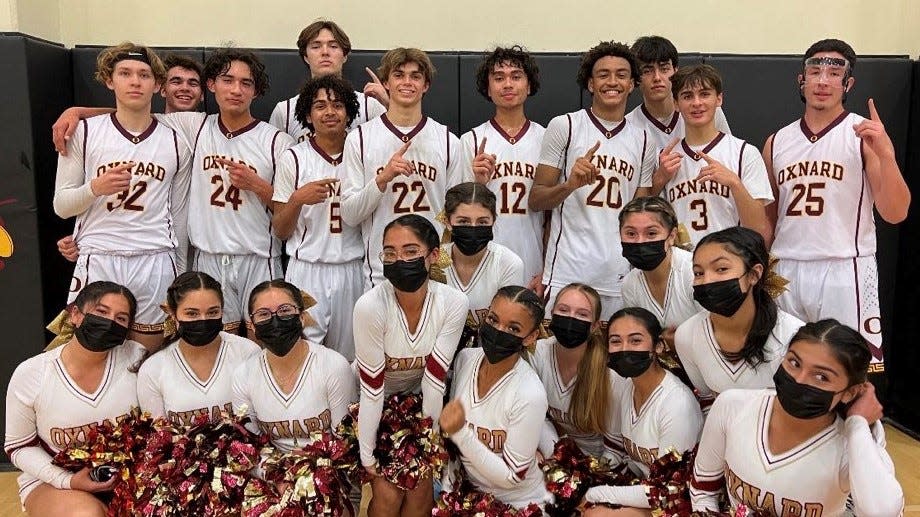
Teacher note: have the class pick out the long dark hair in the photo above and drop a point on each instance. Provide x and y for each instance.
(278, 283)
(525, 297)
(644, 316)
(94, 291)
(421, 227)
(849, 347)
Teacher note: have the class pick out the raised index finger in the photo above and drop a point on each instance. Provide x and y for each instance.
(710, 160)
(590, 154)
(873, 113)
(327, 181)
(482, 146)
(670, 147)
(373, 75)
(402, 150)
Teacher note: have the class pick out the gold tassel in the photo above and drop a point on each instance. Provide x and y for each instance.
(774, 283)
(307, 301)
(62, 328)
(169, 324)
(446, 235)
(438, 271)
(683, 238)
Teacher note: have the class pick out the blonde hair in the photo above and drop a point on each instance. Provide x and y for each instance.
(400, 56)
(105, 62)
(591, 393)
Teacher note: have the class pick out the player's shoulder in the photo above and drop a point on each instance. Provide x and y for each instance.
(541, 354)
(529, 386)
(34, 367)
(564, 119)
(733, 401)
(332, 361)
(156, 362)
(681, 259)
(686, 333)
(505, 254)
(635, 116)
(785, 327)
(286, 104)
(238, 345)
(448, 296)
(376, 300)
(535, 127)
(695, 322)
(675, 391)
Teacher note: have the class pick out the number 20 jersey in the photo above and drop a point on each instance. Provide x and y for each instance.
(824, 206)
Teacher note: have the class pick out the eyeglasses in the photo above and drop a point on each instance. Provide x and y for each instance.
(408, 254)
(284, 312)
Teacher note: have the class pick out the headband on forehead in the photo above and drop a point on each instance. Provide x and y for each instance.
(825, 61)
(136, 56)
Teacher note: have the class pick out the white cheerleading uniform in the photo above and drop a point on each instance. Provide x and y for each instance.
(679, 304)
(498, 443)
(711, 373)
(231, 228)
(439, 165)
(324, 388)
(392, 359)
(168, 387)
(284, 117)
(825, 227)
(812, 479)
(559, 397)
(516, 160)
(661, 133)
(137, 237)
(669, 419)
(584, 245)
(46, 411)
(498, 268)
(325, 253)
(706, 207)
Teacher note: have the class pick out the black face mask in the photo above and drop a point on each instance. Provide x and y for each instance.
(498, 344)
(199, 332)
(407, 276)
(98, 334)
(723, 297)
(801, 400)
(278, 335)
(644, 255)
(570, 332)
(629, 363)
(470, 240)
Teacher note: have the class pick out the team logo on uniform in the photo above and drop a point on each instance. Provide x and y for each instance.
(6, 240)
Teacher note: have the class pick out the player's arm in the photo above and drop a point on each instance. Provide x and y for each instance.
(613, 432)
(772, 208)
(361, 198)
(178, 203)
(547, 192)
(442, 355)
(668, 164)
(279, 116)
(342, 388)
(548, 438)
(459, 169)
(72, 194)
(892, 197)
(288, 200)
(369, 330)
(751, 212)
(683, 344)
(149, 395)
(708, 478)
(67, 123)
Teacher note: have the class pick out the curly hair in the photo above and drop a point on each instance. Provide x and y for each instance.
(219, 63)
(109, 57)
(336, 89)
(514, 56)
(602, 50)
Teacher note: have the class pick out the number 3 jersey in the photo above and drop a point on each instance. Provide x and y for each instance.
(320, 235)
(435, 154)
(148, 216)
(824, 205)
(224, 219)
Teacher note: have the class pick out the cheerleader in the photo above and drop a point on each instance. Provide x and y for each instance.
(662, 278)
(406, 332)
(479, 266)
(740, 337)
(573, 368)
(657, 412)
(55, 398)
(806, 446)
(192, 375)
(499, 403)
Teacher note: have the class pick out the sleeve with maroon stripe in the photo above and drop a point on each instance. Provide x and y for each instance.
(708, 469)
(649, 161)
(360, 195)
(459, 163)
(370, 330)
(22, 443)
(525, 419)
(455, 306)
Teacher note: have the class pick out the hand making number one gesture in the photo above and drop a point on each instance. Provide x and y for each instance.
(583, 170)
(873, 133)
(483, 164)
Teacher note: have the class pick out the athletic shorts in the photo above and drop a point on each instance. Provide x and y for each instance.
(238, 275)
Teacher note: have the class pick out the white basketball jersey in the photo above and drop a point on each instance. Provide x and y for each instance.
(499, 267)
(825, 203)
(324, 388)
(669, 418)
(559, 396)
(584, 243)
(284, 118)
(141, 218)
(709, 370)
(679, 304)
(319, 235)
(505, 422)
(706, 206)
(812, 479)
(434, 151)
(661, 133)
(48, 412)
(516, 160)
(224, 219)
(167, 385)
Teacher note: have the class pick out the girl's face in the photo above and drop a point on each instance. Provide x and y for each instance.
(639, 227)
(629, 334)
(813, 363)
(713, 262)
(401, 243)
(471, 214)
(200, 304)
(111, 306)
(512, 317)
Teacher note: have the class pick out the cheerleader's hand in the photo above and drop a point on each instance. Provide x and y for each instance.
(452, 417)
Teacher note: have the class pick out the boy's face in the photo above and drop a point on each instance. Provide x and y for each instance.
(508, 85)
(611, 81)
(697, 104)
(822, 83)
(133, 83)
(406, 84)
(655, 80)
(324, 55)
(182, 90)
(327, 114)
(234, 89)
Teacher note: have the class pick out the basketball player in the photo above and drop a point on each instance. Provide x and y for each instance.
(658, 114)
(498, 403)
(592, 162)
(126, 179)
(721, 181)
(56, 398)
(829, 169)
(406, 332)
(657, 412)
(803, 449)
(324, 47)
(740, 336)
(325, 253)
(505, 152)
(400, 162)
(193, 375)
(182, 89)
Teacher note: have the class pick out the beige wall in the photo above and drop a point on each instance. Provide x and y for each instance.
(730, 26)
